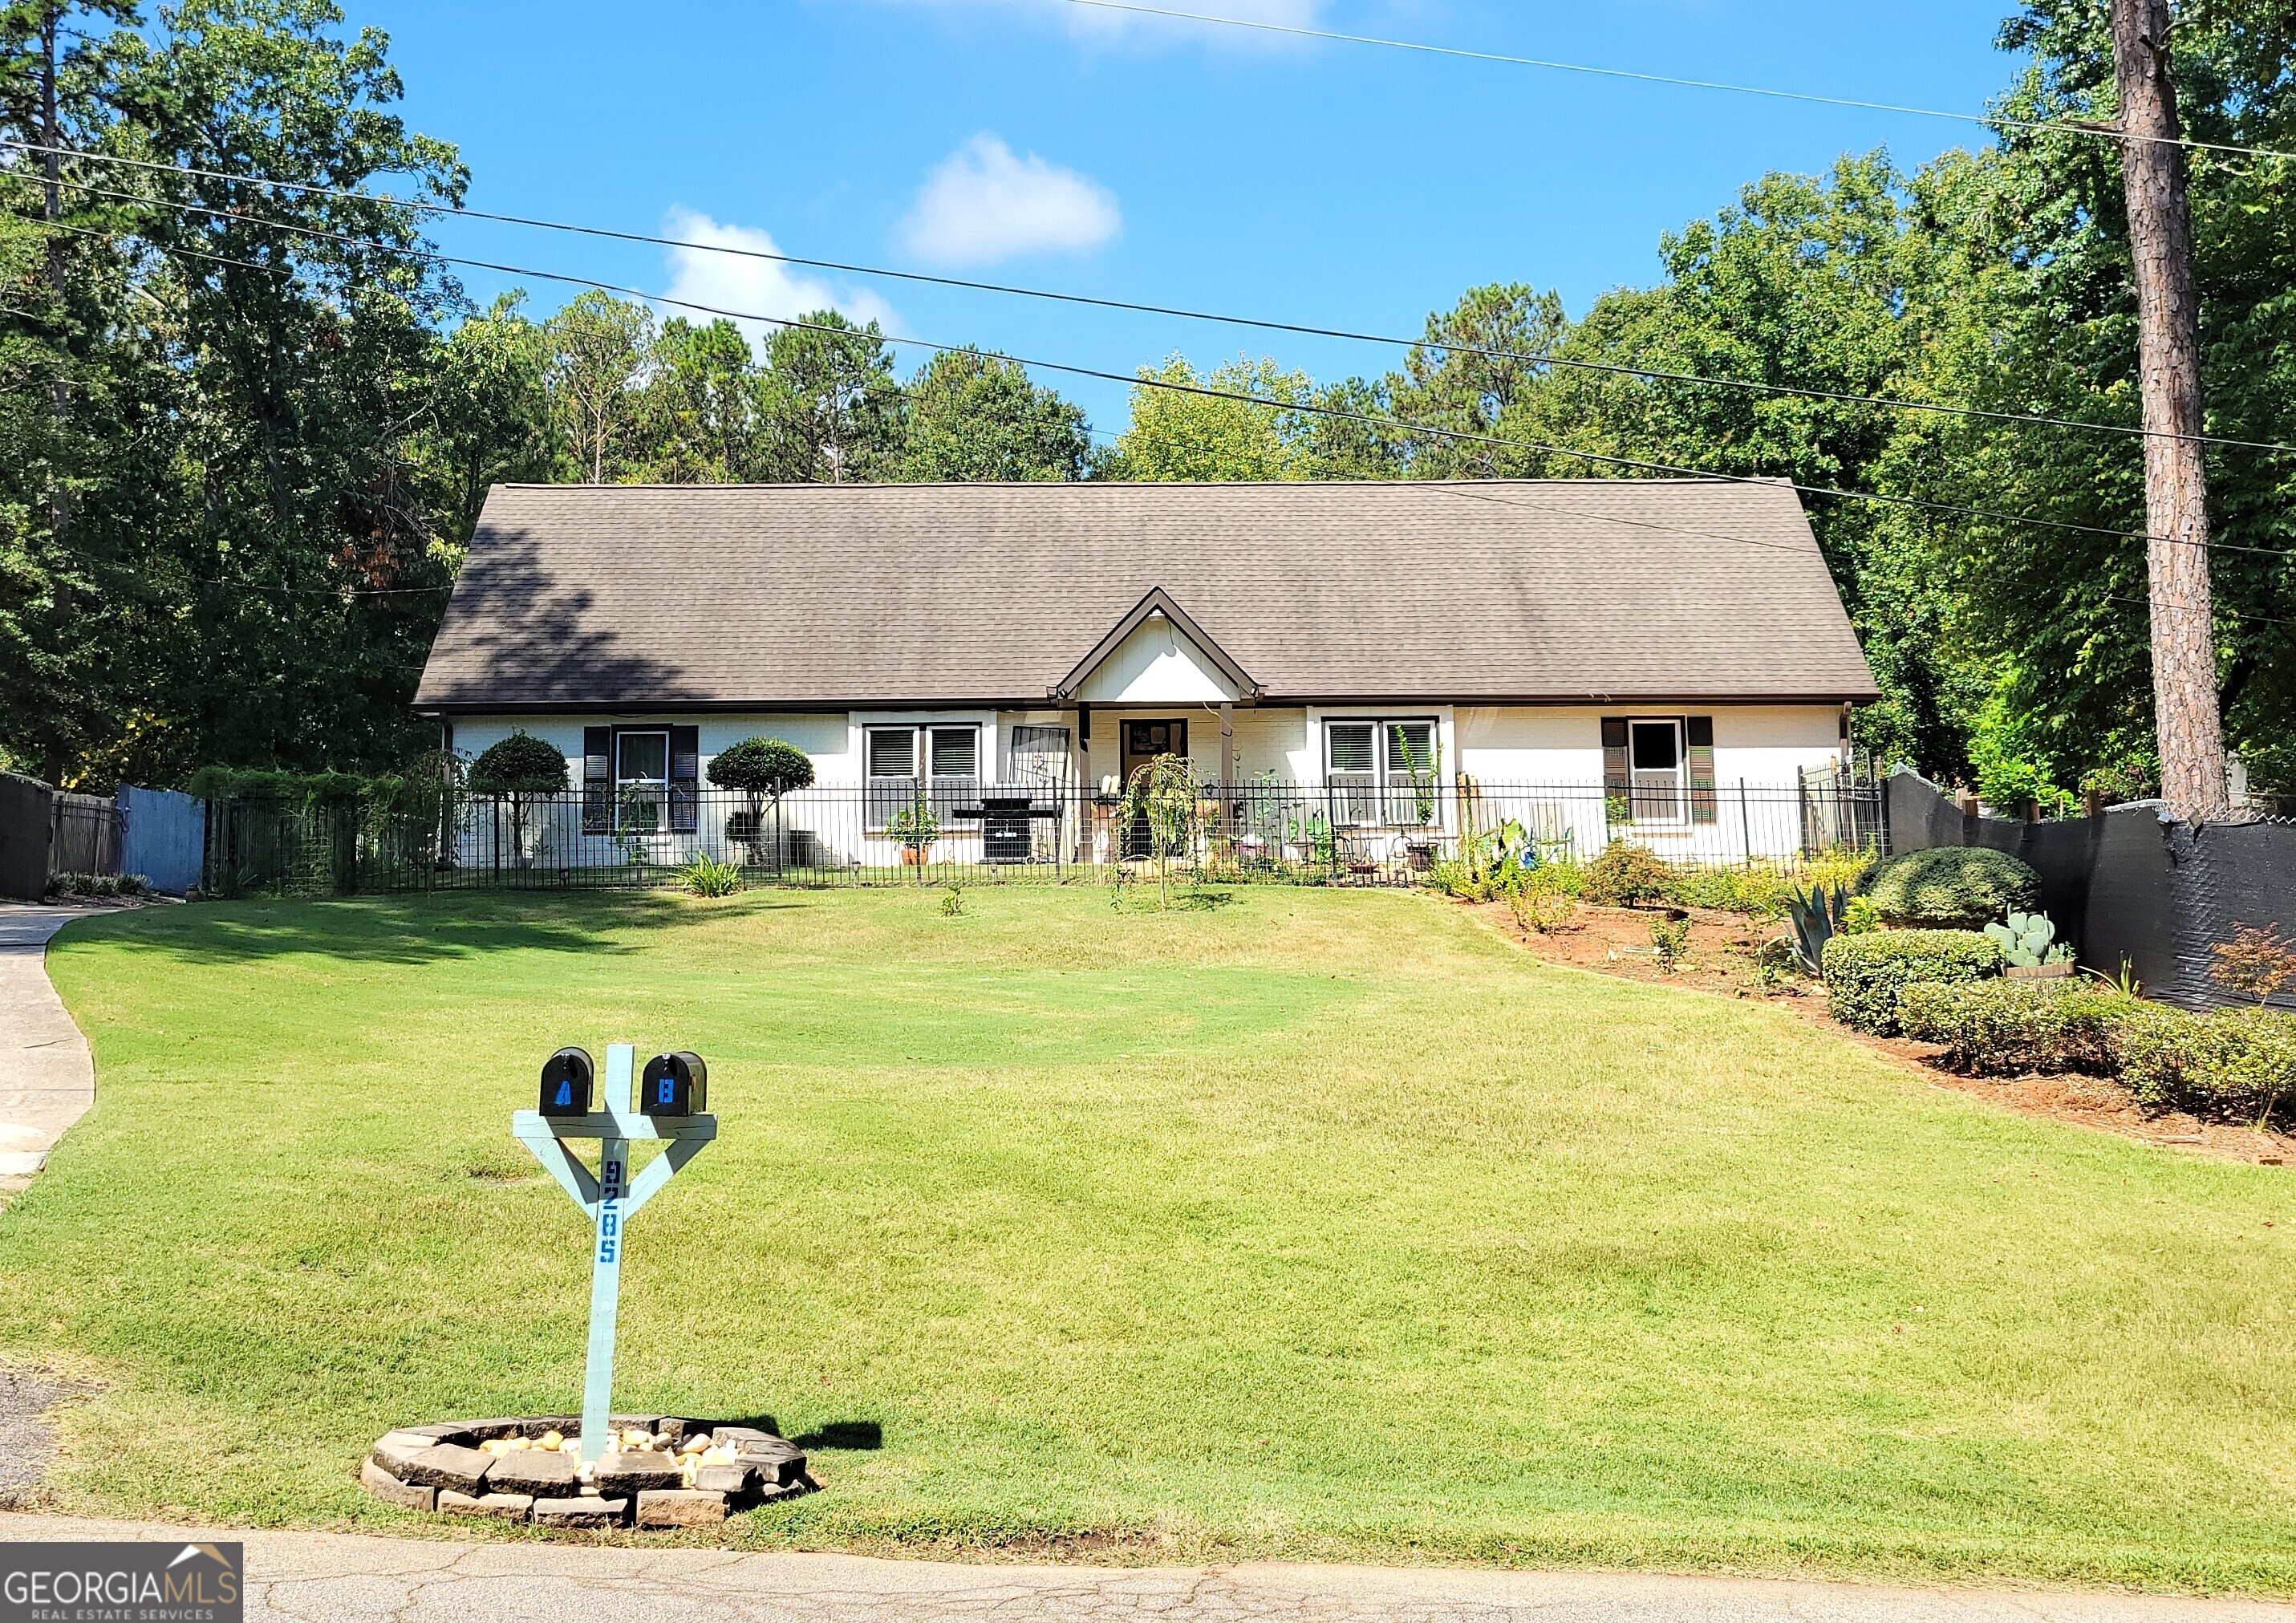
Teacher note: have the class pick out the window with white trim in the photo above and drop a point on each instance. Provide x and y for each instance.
(939, 763)
(1382, 772)
(641, 779)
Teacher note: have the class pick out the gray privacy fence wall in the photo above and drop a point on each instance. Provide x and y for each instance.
(162, 836)
(2130, 883)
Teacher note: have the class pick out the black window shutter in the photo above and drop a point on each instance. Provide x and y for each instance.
(1618, 777)
(1698, 733)
(684, 778)
(597, 779)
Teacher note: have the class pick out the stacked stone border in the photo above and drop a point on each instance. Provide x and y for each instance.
(442, 1470)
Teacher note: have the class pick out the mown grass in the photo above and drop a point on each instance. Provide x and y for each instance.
(1311, 1223)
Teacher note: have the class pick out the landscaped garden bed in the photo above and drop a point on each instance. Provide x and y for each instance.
(1312, 1223)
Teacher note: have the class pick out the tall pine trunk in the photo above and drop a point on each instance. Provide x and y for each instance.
(2186, 718)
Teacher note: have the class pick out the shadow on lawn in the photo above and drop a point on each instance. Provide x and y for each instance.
(400, 928)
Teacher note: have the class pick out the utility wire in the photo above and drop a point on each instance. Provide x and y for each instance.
(1454, 488)
(1986, 120)
(1143, 381)
(1135, 307)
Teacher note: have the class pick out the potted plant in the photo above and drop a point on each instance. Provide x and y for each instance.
(520, 769)
(915, 827)
(2029, 942)
(765, 769)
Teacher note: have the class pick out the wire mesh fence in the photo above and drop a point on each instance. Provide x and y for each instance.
(940, 831)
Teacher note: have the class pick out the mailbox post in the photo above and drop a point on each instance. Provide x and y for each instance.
(611, 1198)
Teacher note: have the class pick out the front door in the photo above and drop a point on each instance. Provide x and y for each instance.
(1144, 742)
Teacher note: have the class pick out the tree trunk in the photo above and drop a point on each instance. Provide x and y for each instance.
(2176, 481)
(52, 210)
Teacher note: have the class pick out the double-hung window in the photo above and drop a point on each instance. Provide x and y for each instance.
(643, 779)
(939, 765)
(1381, 772)
(1659, 769)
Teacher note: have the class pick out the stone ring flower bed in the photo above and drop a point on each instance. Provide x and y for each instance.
(659, 1471)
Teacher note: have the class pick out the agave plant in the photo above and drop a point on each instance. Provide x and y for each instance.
(1817, 918)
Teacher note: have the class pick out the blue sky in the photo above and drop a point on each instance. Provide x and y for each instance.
(1033, 142)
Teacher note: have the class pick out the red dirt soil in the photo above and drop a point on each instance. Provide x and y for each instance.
(1618, 941)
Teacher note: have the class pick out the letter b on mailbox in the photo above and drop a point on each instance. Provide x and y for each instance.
(673, 1085)
(567, 1078)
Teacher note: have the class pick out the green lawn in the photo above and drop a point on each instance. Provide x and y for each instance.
(1313, 1223)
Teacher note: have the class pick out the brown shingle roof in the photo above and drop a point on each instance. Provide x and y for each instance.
(795, 595)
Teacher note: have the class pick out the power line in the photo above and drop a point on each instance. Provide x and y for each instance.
(1986, 120)
(1128, 306)
(1144, 381)
(1453, 488)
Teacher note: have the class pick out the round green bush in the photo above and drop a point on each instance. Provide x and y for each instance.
(1866, 975)
(1627, 875)
(519, 765)
(761, 766)
(1950, 886)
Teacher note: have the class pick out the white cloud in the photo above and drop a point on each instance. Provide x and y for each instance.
(761, 287)
(982, 204)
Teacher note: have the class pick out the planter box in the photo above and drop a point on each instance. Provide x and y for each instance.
(2037, 971)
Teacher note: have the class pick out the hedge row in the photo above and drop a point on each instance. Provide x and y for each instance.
(1866, 975)
(2239, 1062)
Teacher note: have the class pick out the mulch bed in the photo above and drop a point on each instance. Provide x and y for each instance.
(1617, 941)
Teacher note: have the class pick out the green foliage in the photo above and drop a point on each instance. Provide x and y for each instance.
(1624, 875)
(2239, 1062)
(1670, 939)
(705, 875)
(2002, 1028)
(1178, 436)
(98, 884)
(913, 825)
(1950, 886)
(1866, 975)
(2028, 940)
(1541, 903)
(952, 902)
(975, 416)
(764, 767)
(521, 764)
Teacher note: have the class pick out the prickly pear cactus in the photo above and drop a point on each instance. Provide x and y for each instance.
(2025, 939)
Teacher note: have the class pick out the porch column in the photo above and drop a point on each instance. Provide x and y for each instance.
(1085, 786)
(1227, 765)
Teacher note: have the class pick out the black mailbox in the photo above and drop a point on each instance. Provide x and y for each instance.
(673, 1085)
(567, 1083)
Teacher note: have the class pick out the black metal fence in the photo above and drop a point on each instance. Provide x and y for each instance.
(941, 830)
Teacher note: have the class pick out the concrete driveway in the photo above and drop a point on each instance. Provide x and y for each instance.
(50, 1080)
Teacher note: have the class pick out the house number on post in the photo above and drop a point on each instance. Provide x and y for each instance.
(676, 1089)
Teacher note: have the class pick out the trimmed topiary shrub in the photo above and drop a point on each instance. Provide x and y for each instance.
(1996, 1028)
(2239, 1062)
(1627, 875)
(1950, 886)
(764, 767)
(1866, 975)
(519, 765)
